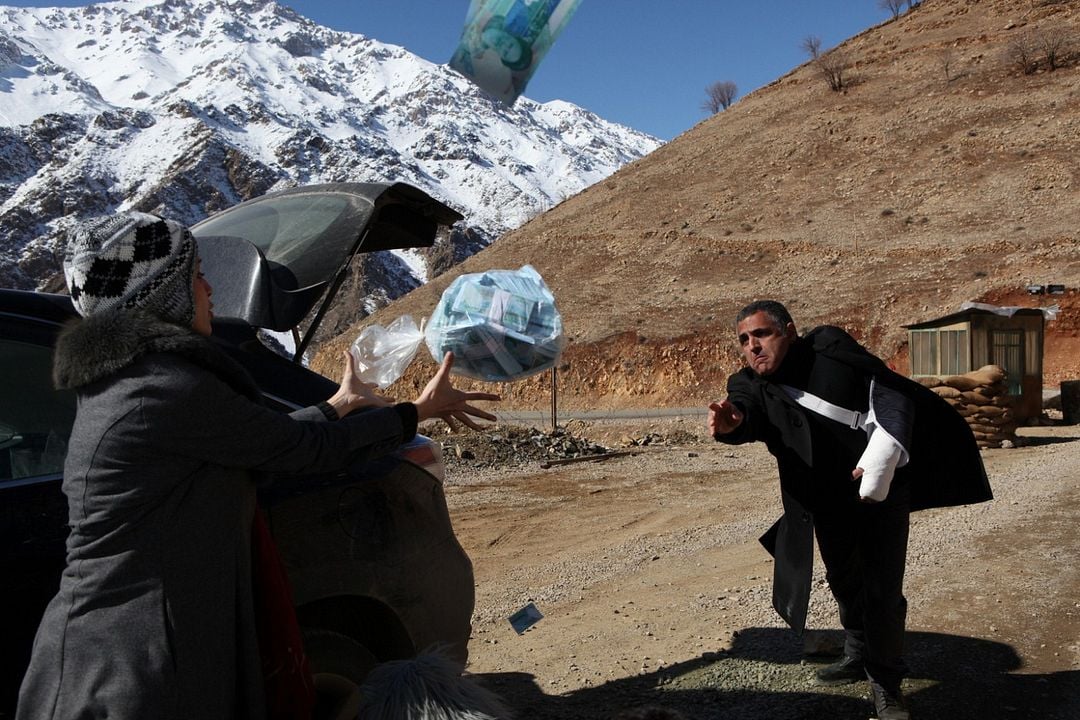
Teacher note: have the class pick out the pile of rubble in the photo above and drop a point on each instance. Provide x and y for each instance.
(677, 437)
(511, 446)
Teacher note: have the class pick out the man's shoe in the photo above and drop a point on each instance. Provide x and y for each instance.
(888, 705)
(845, 670)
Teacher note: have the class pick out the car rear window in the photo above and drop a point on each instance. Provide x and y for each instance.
(35, 419)
(308, 233)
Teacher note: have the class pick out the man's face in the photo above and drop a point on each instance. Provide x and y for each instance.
(764, 343)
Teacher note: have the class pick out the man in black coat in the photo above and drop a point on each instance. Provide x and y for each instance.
(858, 447)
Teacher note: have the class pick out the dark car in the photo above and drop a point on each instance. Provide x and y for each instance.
(375, 568)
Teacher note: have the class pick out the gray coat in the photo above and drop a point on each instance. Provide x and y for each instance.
(154, 614)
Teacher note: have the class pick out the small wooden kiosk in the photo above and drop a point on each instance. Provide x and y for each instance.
(979, 335)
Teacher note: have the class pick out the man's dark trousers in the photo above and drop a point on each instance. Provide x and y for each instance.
(864, 548)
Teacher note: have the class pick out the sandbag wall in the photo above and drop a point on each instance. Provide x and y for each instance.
(982, 398)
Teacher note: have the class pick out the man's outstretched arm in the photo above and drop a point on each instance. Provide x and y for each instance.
(724, 418)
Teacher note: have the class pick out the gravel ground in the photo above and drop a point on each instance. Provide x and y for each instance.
(655, 593)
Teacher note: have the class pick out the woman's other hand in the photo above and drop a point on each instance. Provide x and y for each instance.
(440, 399)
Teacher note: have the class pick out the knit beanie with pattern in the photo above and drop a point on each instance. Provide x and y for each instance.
(133, 261)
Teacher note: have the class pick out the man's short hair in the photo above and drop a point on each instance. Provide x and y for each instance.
(775, 310)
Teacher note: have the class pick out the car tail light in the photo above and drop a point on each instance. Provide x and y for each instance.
(426, 453)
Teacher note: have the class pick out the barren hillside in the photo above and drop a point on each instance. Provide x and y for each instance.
(941, 173)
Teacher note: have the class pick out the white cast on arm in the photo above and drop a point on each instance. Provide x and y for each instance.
(883, 454)
(879, 462)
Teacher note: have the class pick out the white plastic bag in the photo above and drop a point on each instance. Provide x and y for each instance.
(502, 325)
(383, 354)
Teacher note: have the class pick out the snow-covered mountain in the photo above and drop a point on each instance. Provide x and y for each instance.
(185, 107)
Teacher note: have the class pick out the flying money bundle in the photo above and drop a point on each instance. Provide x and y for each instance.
(501, 325)
(503, 41)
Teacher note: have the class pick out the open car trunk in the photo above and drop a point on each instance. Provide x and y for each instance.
(274, 259)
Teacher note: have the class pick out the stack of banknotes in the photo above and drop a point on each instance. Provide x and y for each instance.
(503, 41)
(501, 325)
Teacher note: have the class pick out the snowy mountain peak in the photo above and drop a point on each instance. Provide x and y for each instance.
(188, 106)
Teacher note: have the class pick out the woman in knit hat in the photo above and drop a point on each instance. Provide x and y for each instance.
(154, 617)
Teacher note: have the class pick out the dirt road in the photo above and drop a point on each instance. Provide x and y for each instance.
(655, 591)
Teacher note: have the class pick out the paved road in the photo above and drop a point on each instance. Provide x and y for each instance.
(535, 417)
(538, 417)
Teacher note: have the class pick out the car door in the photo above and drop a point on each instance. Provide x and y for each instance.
(35, 423)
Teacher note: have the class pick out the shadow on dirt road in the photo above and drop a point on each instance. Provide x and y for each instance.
(765, 676)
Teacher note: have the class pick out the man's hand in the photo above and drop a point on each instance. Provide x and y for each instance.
(442, 400)
(856, 475)
(724, 417)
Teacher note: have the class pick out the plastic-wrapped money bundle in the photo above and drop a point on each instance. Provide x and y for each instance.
(501, 325)
(504, 40)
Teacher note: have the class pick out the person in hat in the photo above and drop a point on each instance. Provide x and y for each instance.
(858, 448)
(154, 617)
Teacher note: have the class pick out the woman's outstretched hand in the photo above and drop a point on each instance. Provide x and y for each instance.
(354, 393)
(440, 399)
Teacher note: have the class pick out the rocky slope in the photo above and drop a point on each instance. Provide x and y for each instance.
(941, 173)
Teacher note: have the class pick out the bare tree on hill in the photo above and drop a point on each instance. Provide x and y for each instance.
(893, 6)
(719, 96)
(1052, 42)
(811, 45)
(833, 65)
(1022, 53)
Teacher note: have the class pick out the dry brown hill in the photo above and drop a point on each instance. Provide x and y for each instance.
(942, 173)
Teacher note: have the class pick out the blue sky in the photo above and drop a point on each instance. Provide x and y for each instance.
(642, 63)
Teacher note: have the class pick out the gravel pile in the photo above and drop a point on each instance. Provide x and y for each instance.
(513, 447)
(508, 447)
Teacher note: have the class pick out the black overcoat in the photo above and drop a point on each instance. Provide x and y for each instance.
(945, 466)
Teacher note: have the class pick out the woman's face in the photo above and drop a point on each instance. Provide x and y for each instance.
(202, 291)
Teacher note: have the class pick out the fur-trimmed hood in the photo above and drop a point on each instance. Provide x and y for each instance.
(94, 347)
